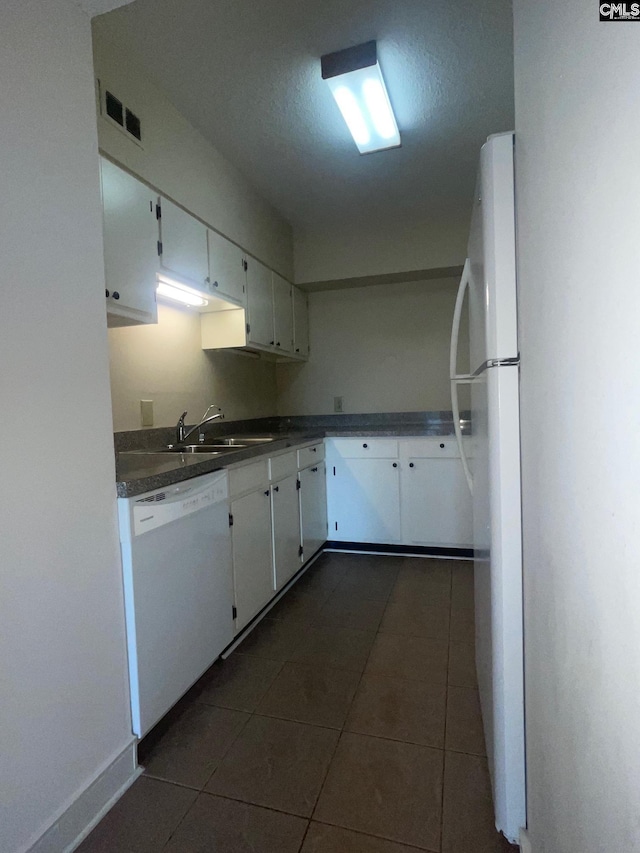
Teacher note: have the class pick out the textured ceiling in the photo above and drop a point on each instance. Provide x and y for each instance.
(246, 73)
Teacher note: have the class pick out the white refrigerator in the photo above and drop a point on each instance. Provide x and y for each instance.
(493, 472)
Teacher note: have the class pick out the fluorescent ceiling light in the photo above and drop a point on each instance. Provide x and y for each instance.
(176, 291)
(355, 80)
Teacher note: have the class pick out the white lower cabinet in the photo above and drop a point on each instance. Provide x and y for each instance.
(251, 549)
(266, 531)
(313, 509)
(398, 491)
(436, 505)
(286, 530)
(364, 500)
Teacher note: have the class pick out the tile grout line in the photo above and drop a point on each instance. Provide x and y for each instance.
(341, 731)
(387, 838)
(346, 716)
(201, 791)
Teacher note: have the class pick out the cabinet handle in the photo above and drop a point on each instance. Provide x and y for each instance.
(314, 470)
(267, 493)
(442, 446)
(278, 344)
(315, 449)
(215, 283)
(365, 445)
(297, 349)
(116, 295)
(106, 293)
(395, 464)
(270, 343)
(411, 465)
(276, 488)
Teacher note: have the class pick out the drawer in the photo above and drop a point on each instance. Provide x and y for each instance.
(283, 465)
(247, 478)
(310, 455)
(362, 448)
(434, 447)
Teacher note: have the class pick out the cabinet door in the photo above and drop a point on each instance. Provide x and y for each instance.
(282, 314)
(130, 247)
(184, 245)
(313, 509)
(300, 323)
(364, 500)
(436, 504)
(286, 530)
(260, 304)
(251, 543)
(227, 274)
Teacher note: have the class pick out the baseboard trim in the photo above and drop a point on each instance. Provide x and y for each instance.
(525, 842)
(89, 806)
(404, 550)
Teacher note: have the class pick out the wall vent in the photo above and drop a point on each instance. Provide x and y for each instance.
(113, 110)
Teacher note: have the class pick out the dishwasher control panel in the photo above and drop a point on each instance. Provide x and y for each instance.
(165, 505)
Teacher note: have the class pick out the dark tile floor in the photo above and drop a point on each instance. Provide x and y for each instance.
(347, 722)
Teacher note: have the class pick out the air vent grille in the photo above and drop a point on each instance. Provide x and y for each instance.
(115, 111)
(152, 498)
(133, 125)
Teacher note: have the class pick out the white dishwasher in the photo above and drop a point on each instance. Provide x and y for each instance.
(178, 589)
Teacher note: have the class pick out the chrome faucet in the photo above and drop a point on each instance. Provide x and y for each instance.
(182, 436)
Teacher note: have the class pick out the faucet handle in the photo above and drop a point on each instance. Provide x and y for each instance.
(180, 428)
(206, 414)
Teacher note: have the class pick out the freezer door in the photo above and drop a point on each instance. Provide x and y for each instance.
(498, 588)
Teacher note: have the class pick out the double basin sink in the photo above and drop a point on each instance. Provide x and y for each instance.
(221, 445)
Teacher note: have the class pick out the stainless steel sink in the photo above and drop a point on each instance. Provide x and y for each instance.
(200, 448)
(245, 441)
(221, 445)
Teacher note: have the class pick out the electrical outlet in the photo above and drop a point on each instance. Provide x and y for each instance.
(146, 413)
(337, 404)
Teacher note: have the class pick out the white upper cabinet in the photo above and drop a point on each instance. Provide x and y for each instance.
(227, 268)
(300, 323)
(183, 240)
(282, 314)
(130, 247)
(260, 304)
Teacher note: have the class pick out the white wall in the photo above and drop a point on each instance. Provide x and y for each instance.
(166, 363)
(179, 161)
(383, 349)
(578, 187)
(64, 708)
(356, 252)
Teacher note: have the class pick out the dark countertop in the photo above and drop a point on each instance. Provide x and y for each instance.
(139, 470)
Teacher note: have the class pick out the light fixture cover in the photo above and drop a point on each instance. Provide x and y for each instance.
(168, 288)
(356, 82)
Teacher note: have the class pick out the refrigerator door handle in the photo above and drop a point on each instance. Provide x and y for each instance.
(458, 378)
(455, 410)
(455, 329)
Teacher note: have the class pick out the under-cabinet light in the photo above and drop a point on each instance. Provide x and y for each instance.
(176, 291)
(356, 82)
